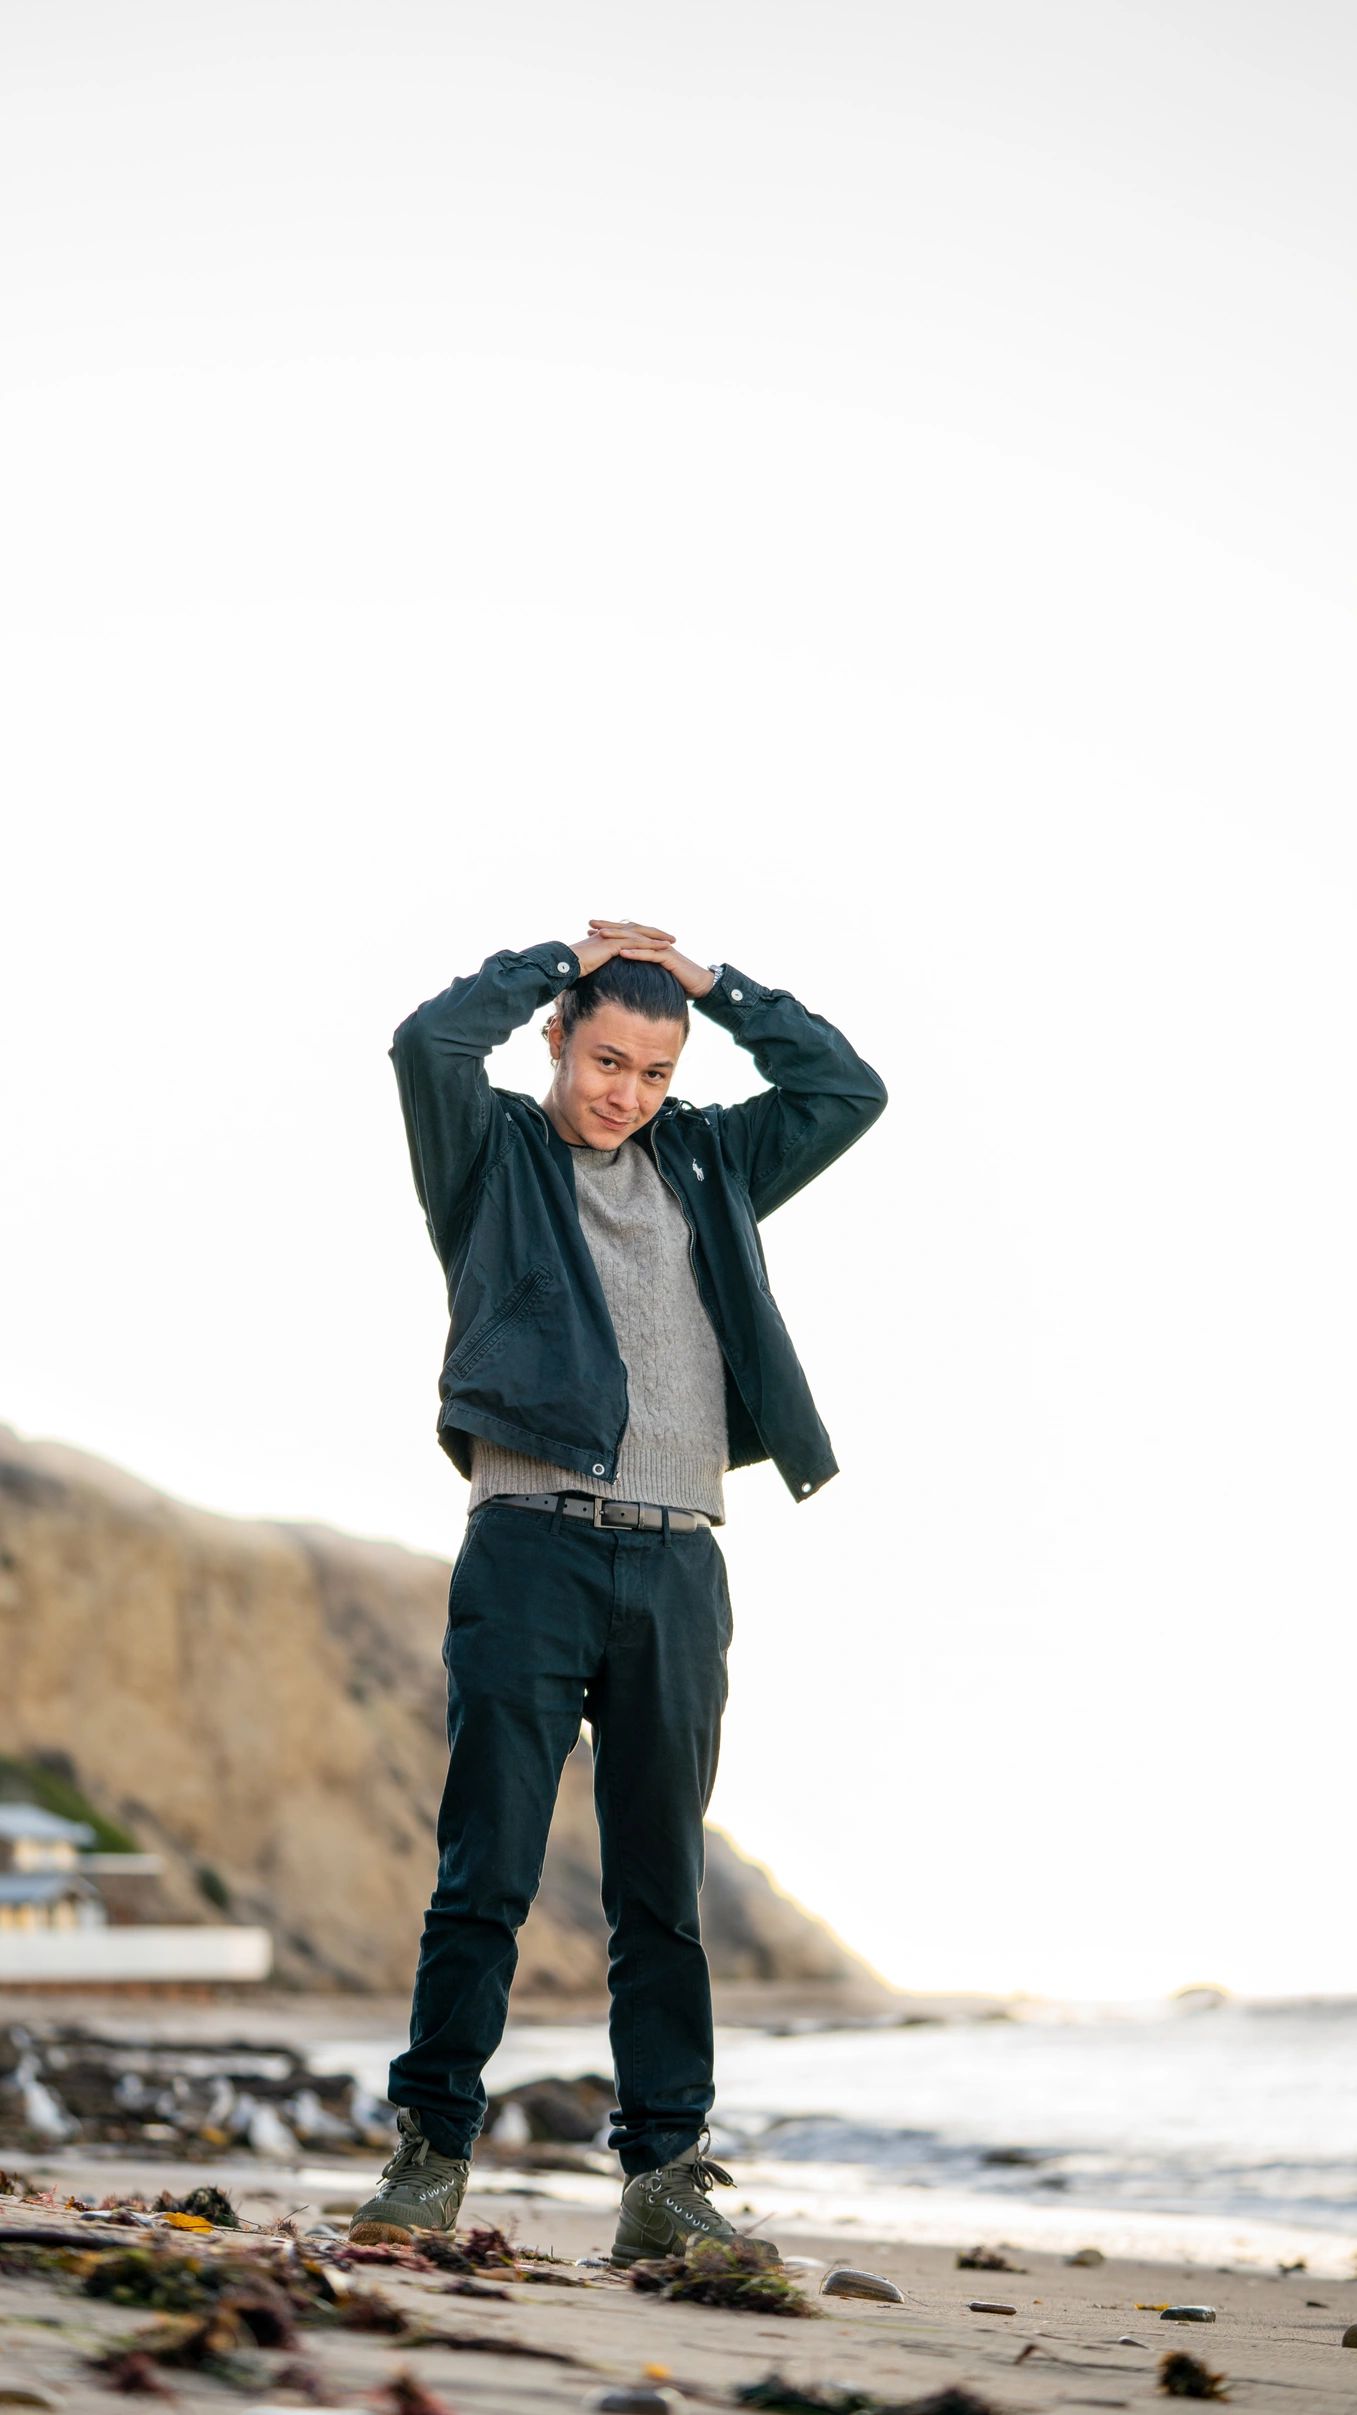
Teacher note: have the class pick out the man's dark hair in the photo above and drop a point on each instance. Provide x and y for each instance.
(644, 989)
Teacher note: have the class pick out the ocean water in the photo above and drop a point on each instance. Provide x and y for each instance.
(1224, 2134)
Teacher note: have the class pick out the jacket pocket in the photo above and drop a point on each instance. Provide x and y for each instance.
(485, 1333)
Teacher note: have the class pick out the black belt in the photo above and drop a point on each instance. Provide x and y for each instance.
(639, 1516)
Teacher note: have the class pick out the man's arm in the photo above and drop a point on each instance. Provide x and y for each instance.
(452, 1119)
(823, 1095)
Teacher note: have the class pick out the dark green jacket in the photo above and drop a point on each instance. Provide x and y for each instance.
(532, 1358)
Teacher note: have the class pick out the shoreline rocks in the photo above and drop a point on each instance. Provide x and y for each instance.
(61, 2083)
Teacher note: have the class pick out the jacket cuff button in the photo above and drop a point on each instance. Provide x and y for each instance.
(738, 996)
(563, 968)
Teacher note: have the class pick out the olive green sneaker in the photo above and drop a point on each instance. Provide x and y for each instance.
(420, 2190)
(663, 2210)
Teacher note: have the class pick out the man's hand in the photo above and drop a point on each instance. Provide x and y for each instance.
(645, 946)
(608, 939)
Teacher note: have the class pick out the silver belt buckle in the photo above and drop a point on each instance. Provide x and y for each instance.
(624, 1524)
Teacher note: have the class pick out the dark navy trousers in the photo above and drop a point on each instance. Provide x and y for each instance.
(551, 1620)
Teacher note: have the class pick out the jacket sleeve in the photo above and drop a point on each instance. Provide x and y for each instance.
(823, 1096)
(453, 1120)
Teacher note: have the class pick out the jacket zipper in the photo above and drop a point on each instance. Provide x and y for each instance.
(692, 1234)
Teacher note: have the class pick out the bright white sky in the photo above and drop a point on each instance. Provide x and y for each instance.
(869, 486)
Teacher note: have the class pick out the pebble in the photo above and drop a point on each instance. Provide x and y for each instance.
(988, 2306)
(1188, 2314)
(1126, 2341)
(25, 2398)
(635, 2398)
(1086, 2255)
(1350, 2336)
(847, 2282)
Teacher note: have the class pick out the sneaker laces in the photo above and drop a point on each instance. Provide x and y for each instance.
(700, 2170)
(704, 2170)
(414, 2149)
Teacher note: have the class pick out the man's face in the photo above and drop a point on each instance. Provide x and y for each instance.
(611, 1074)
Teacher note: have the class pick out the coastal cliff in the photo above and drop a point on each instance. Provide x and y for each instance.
(262, 1704)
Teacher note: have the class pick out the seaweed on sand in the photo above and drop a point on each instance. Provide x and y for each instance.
(404, 2395)
(483, 2250)
(480, 2250)
(371, 2310)
(302, 2381)
(217, 2338)
(214, 2315)
(1184, 2376)
(131, 2370)
(788, 2398)
(781, 2397)
(285, 2287)
(168, 2281)
(218, 2342)
(27, 2256)
(724, 2272)
(266, 2310)
(209, 2204)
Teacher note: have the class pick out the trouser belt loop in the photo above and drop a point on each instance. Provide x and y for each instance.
(664, 1524)
(556, 1516)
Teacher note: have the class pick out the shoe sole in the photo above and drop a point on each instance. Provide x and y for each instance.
(393, 2234)
(769, 2257)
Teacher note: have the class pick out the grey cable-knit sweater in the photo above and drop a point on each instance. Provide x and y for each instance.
(674, 1450)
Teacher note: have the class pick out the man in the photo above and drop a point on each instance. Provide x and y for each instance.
(614, 1349)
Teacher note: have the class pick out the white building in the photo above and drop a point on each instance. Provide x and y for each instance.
(42, 1885)
(55, 1925)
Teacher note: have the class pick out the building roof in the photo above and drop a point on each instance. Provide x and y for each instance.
(25, 1819)
(43, 1886)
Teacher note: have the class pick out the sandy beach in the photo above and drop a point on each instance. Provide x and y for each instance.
(554, 2334)
(1066, 2343)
